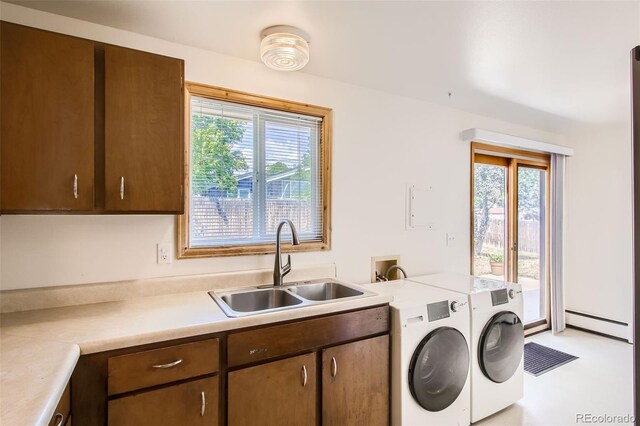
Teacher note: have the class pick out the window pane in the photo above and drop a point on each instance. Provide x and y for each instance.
(250, 169)
(489, 221)
(291, 150)
(222, 174)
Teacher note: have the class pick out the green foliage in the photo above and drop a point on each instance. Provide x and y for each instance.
(275, 168)
(529, 193)
(496, 257)
(213, 159)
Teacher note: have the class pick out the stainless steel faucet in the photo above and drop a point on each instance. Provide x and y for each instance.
(280, 271)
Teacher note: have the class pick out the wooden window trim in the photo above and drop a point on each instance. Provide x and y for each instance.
(218, 93)
(512, 159)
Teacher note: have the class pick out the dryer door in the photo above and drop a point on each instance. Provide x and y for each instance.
(501, 346)
(438, 369)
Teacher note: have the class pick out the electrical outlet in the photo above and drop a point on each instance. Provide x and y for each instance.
(164, 253)
(451, 239)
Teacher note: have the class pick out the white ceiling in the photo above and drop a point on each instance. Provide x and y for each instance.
(543, 64)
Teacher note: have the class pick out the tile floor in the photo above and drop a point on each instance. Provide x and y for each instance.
(598, 383)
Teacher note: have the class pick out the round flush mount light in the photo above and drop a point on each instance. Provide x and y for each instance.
(284, 48)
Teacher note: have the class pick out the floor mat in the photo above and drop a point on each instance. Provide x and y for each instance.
(539, 359)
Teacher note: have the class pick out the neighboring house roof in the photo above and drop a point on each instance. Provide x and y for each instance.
(274, 177)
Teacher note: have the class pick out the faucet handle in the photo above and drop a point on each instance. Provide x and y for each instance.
(286, 268)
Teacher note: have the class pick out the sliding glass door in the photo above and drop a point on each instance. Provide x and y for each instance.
(510, 216)
(531, 241)
(490, 231)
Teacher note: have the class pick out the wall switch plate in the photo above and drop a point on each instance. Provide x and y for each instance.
(164, 253)
(451, 239)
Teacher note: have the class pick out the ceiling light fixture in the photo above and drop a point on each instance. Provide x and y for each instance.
(284, 48)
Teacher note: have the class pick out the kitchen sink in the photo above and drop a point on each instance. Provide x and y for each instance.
(324, 291)
(255, 300)
(258, 300)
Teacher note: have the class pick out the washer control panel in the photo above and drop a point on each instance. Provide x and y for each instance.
(438, 310)
(500, 297)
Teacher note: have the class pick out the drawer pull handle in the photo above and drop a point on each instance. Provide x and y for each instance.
(169, 365)
(60, 419)
(304, 376)
(203, 404)
(334, 366)
(75, 186)
(122, 188)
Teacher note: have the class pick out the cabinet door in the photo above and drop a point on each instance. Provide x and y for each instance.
(355, 383)
(47, 120)
(143, 132)
(278, 393)
(192, 403)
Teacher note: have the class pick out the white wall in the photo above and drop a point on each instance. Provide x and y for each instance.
(381, 142)
(598, 249)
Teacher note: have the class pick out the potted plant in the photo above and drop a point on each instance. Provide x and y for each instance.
(496, 261)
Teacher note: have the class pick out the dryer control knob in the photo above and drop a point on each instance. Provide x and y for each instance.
(512, 294)
(454, 306)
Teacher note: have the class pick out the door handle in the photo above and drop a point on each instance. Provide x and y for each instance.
(203, 403)
(334, 367)
(304, 376)
(122, 188)
(75, 186)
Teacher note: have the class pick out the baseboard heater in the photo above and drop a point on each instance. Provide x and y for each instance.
(605, 326)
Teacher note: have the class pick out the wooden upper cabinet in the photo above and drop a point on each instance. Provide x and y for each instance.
(355, 383)
(143, 132)
(47, 121)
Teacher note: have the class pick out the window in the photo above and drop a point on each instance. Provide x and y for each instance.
(510, 223)
(252, 162)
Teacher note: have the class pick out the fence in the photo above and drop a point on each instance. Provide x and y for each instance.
(528, 235)
(218, 219)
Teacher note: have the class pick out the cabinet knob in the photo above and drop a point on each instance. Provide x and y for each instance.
(75, 186)
(203, 404)
(59, 418)
(334, 366)
(122, 188)
(304, 376)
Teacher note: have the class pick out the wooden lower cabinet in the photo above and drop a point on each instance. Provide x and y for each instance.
(276, 393)
(192, 403)
(355, 383)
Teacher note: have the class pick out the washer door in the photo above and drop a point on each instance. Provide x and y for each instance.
(501, 346)
(438, 369)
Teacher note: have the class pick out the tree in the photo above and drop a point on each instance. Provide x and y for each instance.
(489, 191)
(214, 162)
(529, 193)
(275, 168)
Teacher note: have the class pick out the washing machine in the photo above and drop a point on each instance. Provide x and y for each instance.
(430, 354)
(497, 339)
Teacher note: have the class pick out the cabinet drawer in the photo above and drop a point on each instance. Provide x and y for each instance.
(63, 409)
(269, 342)
(158, 366)
(192, 403)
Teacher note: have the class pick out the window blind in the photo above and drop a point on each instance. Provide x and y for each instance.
(250, 168)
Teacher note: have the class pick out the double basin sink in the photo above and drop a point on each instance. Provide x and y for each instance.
(254, 300)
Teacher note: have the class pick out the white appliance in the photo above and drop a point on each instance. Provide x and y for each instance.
(430, 354)
(497, 339)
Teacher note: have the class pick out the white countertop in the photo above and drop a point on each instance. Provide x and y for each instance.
(39, 349)
(33, 376)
